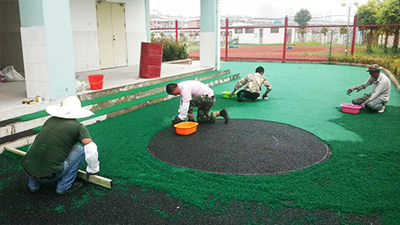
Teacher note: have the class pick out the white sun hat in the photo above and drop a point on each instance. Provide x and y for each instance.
(70, 108)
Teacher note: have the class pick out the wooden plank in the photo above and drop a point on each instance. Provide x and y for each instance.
(95, 179)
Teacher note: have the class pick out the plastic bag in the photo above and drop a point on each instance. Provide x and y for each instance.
(80, 85)
(11, 75)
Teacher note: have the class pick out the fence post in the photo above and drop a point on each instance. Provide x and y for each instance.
(284, 40)
(354, 34)
(226, 38)
(176, 32)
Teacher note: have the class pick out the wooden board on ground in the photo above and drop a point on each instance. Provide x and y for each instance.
(95, 179)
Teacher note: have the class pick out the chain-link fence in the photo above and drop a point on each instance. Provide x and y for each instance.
(309, 43)
(377, 40)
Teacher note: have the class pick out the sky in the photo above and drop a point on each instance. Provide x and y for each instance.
(261, 8)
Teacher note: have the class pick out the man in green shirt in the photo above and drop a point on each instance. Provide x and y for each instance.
(56, 153)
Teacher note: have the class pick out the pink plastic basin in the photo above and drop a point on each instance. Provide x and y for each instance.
(350, 108)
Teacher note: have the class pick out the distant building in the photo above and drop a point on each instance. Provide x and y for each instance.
(194, 22)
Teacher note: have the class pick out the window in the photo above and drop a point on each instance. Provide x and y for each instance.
(249, 30)
(239, 31)
(274, 30)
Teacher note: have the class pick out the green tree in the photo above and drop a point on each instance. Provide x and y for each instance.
(381, 20)
(368, 15)
(343, 31)
(390, 14)
(182, 37)
(302, 17)
(324, 31)
(301, 31)
(171, 50)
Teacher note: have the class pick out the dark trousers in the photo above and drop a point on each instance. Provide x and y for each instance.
(248, 95)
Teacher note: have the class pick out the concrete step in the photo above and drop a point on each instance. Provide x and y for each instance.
(8, 116)
(105, 92)
(36, 119)
(146, 101)
(126, 96)
(16, 140)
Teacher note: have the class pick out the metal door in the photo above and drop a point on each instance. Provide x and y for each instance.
(112, 34)
(119, 34)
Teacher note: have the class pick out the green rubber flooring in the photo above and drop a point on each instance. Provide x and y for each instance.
(359, 184)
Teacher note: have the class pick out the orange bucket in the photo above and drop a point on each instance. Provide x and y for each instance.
(186, 128)
(96, 81)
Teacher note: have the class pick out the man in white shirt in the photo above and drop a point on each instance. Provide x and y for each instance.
(380, 90)
(195, 94)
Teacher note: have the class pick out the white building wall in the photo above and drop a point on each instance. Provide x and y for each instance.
(35, 61)
(85, 37)
(273, 38)
(277, 38)
(135, 29)
(254, 38)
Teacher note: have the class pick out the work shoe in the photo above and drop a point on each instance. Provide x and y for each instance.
(224, 114)
(34, 190)
(73, 187)
(241, 97)
(382, 110)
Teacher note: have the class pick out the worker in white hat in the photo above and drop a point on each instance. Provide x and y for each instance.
(379, 95)
(60, 147)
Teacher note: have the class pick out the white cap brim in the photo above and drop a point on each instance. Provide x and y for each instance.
(68, 113)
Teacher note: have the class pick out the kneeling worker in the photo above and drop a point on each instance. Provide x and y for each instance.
(195, 94)
(380, 90)
(55, 155)
(253, 88)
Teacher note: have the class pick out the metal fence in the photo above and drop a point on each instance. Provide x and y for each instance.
(292, 43)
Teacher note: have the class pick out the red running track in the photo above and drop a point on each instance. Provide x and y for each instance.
(275, 52)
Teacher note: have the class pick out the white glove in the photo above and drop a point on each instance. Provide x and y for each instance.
(91, 157)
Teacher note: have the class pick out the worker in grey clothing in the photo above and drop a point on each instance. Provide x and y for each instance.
(380, 90)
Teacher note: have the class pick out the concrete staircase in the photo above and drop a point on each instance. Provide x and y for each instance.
(105, 104)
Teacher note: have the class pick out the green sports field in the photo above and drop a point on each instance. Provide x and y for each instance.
(362, 176)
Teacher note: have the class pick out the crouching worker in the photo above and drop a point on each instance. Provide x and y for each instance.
(195, 94)
(253, 88)
(380, 90)
(55, 154)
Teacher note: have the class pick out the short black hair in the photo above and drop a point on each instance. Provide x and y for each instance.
(260, 69)
(170, 88)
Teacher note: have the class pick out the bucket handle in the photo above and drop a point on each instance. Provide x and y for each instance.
(97, 82)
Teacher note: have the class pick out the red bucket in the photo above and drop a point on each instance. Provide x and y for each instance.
(96, 81)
